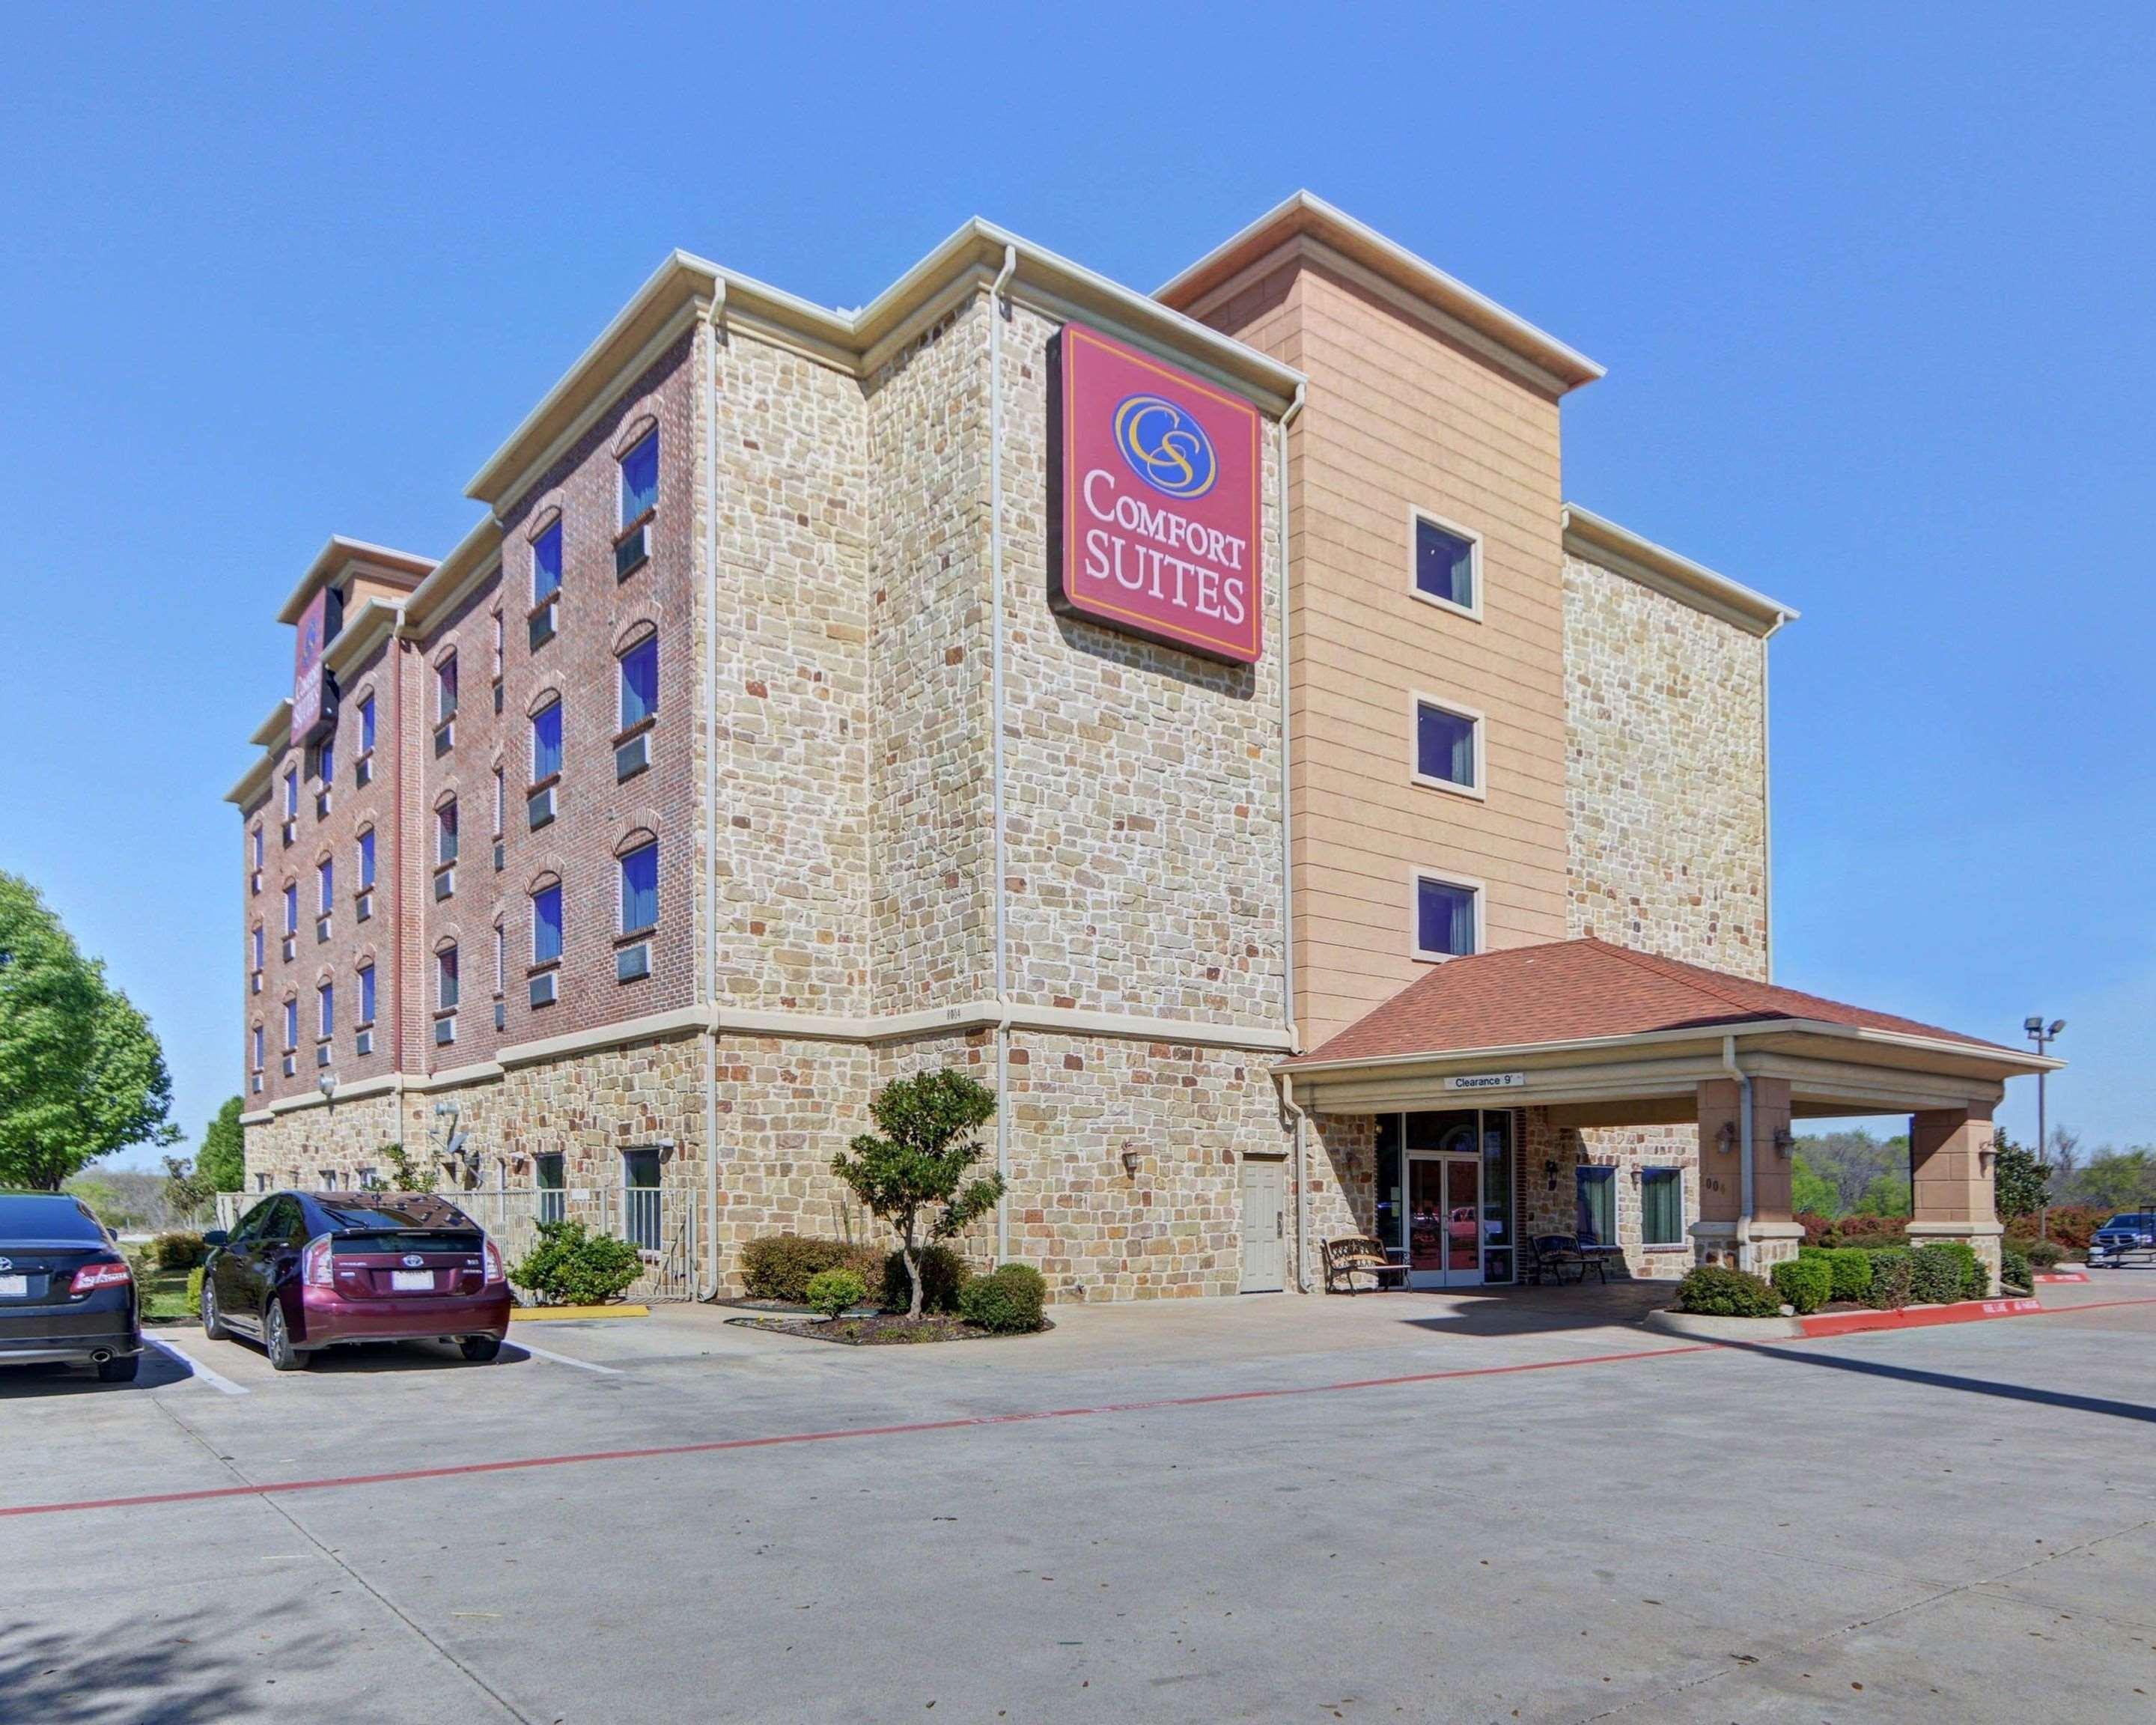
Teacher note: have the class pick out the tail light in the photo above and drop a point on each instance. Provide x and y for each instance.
(92, 1277)
(495, 1272)
(314, 1268)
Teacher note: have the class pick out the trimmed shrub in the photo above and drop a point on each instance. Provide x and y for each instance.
(2014, 1270)
(2043, 1254)
(194, 1288)
(2071, 1225)
(1804, 1283)
(572, 1266)
(1007, 1300)
(1872, 1231)
(1713, 1290)
(1851, 1269)
(1936, 1274)
(780, 1266)
(1891, 1270)
(1818, 1229)
(831, 1291)
(943, 1278)
(177, 1251)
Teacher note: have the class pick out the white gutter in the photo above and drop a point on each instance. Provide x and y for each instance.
(1297, 1124)
(996, 739)
(1744, 1150)
(1767, 804)
(708, 967)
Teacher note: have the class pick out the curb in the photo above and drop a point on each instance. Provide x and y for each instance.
(1914, 1318)
(563, 1314)
(1701, 1327)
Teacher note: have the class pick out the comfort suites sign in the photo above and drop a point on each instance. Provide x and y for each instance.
(1157, 474)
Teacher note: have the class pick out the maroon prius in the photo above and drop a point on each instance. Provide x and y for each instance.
(305, 1270)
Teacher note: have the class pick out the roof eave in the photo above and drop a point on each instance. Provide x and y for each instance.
(338, 554)
(1597, 539)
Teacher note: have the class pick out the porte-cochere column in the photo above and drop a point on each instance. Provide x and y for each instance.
(1950, 1154)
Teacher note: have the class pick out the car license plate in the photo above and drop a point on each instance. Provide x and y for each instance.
(14, 1287)
(414, 1281)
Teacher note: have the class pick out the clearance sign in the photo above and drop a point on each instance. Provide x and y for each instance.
(1157, 511)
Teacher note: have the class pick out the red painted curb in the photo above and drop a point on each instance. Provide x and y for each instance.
(1916, 1317)
(2062, 1275)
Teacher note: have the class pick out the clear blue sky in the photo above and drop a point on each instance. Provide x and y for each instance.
(1873, 283)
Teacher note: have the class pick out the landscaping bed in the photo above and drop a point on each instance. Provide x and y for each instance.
(872, 1329)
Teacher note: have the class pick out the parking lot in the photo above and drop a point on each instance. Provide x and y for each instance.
(1409, 1506)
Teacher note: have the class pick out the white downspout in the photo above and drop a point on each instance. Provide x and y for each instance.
(1297, 1122)
(1743, 1150)
(707, 968)
(996, 740)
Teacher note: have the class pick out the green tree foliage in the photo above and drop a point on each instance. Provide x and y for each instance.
(187, 1192)
(2118, 1179)
(1887, 1195)
(571, 1266)
(407, 1173)
(81, 1074)
(2020, 1185)
(222, 1161)
(1810, 1192)
(915, 1171)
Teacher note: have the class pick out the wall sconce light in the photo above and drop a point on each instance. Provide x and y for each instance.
(1784, 1141)
(1549, 1173)
(1726, 1138)
(1130, 1161)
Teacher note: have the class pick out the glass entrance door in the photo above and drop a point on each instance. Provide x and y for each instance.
(1444, 1221)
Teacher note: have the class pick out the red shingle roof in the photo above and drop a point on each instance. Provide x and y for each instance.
(1569, 991)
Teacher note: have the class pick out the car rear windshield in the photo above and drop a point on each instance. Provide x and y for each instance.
(417, 1239)
(38, 1216)
(397, 1213)
(2136, 1219)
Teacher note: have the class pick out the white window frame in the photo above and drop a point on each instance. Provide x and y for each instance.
(1682, 1243)
(1479, 790)
(1444, 877)
(1473, 612)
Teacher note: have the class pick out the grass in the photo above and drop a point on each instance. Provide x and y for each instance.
(163, 1294)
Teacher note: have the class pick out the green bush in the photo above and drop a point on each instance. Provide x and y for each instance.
(1851, 1269)
(1007, 1300)
(1805, 1283)
(943, 1278)
(1936, 1273)
(2043, 1254)
(1892, 1268)
(780, 1266)
(194, 1288)
(831, 1291)
(1714, 1291)
(177, 1251)
(2014, 1270)
(572, 1266)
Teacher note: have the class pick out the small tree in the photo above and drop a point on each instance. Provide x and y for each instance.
(2020, 1185)
(186, 1191)
(407, 1173)
(913, 1173)
(222, 1161)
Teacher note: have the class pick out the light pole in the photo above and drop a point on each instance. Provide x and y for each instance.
(2043, 1035)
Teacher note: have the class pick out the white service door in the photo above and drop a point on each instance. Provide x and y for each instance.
(1265, 1224)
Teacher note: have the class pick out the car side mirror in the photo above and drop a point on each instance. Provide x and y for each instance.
(215, 1237)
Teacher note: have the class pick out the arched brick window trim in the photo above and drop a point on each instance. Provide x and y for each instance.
(446, 941)
(541, 702)
(645, 833)
(445, 799)
(545, 513)
(639, 420)
(634, 634)
(541, 880)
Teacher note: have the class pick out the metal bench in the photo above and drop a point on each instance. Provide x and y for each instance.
(1360, 1255)
(1560, 1258)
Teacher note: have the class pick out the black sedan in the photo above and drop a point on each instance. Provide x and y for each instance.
(65, 1291)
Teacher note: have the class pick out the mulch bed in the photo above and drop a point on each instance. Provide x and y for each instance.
(867, 1330)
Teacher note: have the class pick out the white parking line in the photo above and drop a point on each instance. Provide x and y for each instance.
(563, 1359)
(216, 1380)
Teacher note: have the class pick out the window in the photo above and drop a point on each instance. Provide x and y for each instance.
(325, 763)
(258, 853)
(367, 993)
(291, 1025)
(501, 800)
(639, 682)
(291, 793)
(1448, 748)
(366, 724)
(366, 859)
(1596, 1193)
(1446, 915)
(445, 978)
(254, 948)
(445, 834)
(639, 889)
(1661, 1207)
(547, 742)
(500, 658)
(1447, 565)
(639, 1179)
(546, 925)
(639, 480)
(326, 1010)
(291, 910)
(546, 1174)
(546, 565)
(500, 960)
(255, 1051)
(445, 690)
(325, 886)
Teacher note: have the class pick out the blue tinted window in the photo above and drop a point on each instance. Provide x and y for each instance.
(327, 1002)
(639, 480)
(1445, 918)
(639, 888)
(639, 682)
(1444, 564)
(367, 993)
(546, 926)
(366, 858)
(546, 564)
(291, 910)
(366, 724)
(546, 742)
(1444, 745)
(291, 1024)
(326, 880)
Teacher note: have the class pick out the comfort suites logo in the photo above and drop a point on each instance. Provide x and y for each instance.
(1156, 503)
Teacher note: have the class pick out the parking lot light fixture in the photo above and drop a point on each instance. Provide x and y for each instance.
(2043, 1035)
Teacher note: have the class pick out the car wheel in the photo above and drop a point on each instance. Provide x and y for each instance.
(277, 1341)
(213, 1329)
(479, 1349)
(119, 1371)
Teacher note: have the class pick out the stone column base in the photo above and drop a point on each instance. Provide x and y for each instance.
(1982, 1238)
(1767, 1243)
